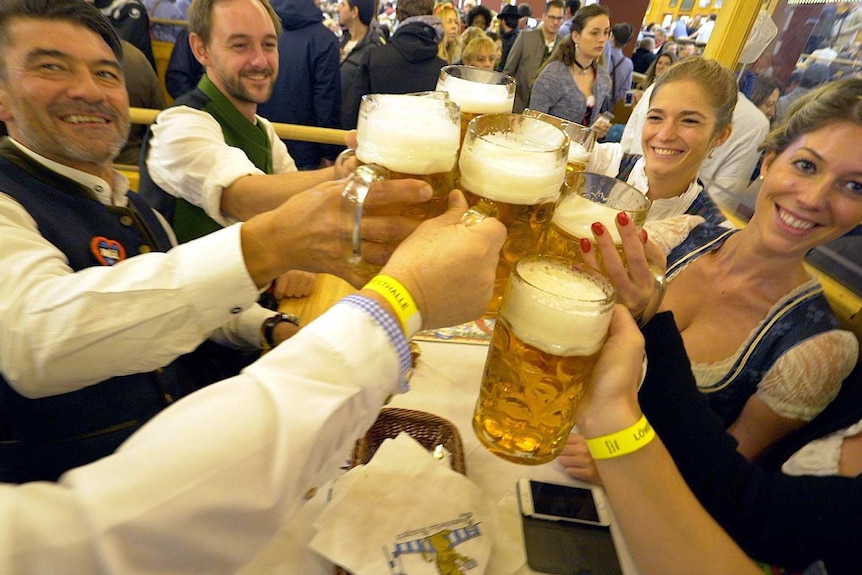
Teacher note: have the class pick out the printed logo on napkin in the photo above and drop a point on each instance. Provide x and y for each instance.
(436, 543)
(406, 513)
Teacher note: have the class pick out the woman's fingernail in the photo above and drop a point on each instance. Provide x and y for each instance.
(644, 237)
(623, 218)
(598, 228)
(586, 245)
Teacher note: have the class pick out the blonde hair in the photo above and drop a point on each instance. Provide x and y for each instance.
(477, 45)
(449, 50)
(468, 35)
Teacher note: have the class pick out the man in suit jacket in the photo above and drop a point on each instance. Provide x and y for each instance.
(531, 49)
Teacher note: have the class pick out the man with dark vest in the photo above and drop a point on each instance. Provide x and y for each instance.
(211, 161)
(97, 306)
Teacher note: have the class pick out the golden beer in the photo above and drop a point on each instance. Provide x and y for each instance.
(518, 164)
(477, 92)
(525, 225)
(597, 199)
(551, 326)
(441, 184)
(412, 136)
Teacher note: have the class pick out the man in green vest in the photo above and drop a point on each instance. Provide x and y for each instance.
(210, 161)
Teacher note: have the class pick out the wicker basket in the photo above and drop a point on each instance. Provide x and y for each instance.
(428, 429)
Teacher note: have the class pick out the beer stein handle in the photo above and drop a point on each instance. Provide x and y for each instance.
(345, 163)
(483, 209)
(353, 204)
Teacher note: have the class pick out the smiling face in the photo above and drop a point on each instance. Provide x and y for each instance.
(63, 94)
(812, 191)
(678, 133)
(241, 58)
(592, 39)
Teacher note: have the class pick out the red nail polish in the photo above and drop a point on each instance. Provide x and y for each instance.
(623, 218)
(644, 237)
(598, 228)
(586, 245)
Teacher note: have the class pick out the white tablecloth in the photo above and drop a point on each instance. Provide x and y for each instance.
(446, 383)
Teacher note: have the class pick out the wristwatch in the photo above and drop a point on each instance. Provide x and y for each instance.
(267, 343)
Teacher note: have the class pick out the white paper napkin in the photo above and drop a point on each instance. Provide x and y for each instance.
(406, 513)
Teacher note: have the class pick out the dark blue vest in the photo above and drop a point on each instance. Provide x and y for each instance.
(42, 438)
(805, 315)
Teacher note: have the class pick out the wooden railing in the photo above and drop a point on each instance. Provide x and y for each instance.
(284, 131)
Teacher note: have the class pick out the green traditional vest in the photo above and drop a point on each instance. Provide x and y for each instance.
(190, 221)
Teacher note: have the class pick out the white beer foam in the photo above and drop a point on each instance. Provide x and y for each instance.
(476, 97)
(575, 214)
(511, 167)
(574, 323)
(578, 153)
(410, 134)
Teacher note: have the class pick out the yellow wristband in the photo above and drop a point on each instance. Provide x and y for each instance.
(622, 442)
(401, 301)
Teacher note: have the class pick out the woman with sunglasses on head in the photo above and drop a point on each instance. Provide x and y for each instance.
(765, 347)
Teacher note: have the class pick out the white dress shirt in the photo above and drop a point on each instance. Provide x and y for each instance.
(188, 158)
(209, 481)
(727, 173)
(62, 330)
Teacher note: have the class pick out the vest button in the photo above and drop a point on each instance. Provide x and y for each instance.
(127, 220)
(145, 249)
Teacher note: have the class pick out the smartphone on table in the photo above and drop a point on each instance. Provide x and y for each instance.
(566, 529)
(556, 502)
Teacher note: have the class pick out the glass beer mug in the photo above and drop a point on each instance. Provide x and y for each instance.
(596, 198)
(550, 328)
(477, 91)
(401, 136)
(412, 136)
(517, 164)
(582, 139)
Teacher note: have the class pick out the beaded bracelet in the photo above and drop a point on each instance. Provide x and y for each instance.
(622, 442)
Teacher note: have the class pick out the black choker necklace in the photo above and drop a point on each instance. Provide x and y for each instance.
(584, 69)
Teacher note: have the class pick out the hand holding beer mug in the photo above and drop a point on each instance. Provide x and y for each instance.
(477, 91)
(614, 209)
(517, 164)
(400, 136)
(597, 198)
(552, 323)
